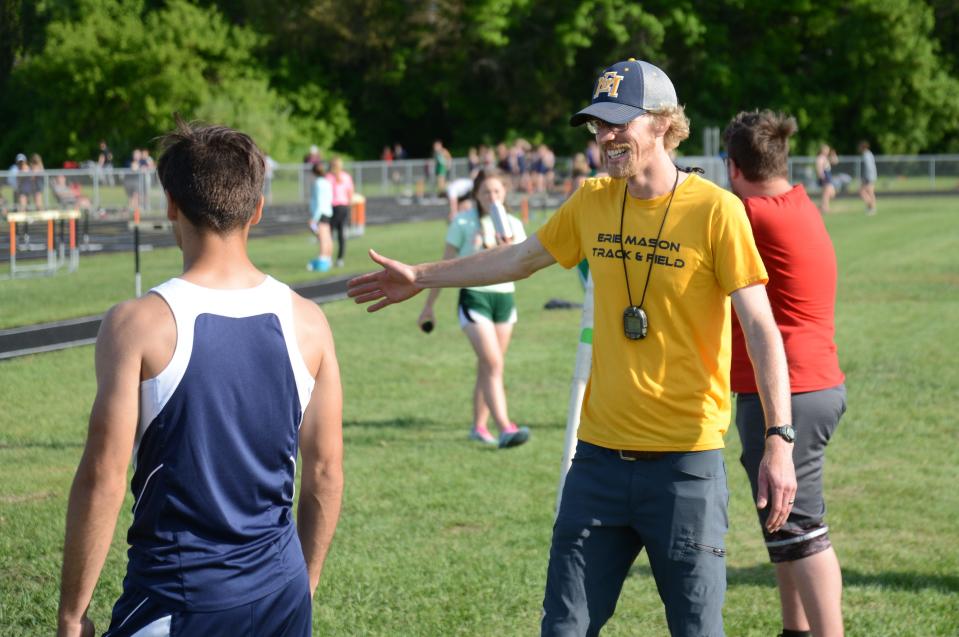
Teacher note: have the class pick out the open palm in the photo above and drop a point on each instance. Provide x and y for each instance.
(393, 284)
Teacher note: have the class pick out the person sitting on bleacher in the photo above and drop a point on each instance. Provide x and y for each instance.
(68, 195)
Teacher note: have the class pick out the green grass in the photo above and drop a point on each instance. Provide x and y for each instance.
(438, 537)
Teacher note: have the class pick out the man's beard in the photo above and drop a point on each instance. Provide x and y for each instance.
(637, 157)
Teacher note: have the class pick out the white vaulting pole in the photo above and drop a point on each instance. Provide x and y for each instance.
(584, 358)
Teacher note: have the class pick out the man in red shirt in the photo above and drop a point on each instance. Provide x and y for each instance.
(801, 262)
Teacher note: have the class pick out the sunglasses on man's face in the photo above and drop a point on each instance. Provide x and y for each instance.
(598, 126)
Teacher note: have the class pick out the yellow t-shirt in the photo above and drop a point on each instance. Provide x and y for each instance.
(670, 390)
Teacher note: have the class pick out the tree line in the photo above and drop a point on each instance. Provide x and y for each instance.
(355, 75)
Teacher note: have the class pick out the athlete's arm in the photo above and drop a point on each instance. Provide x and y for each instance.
(777, 476)
(100, 482)
(398, 281)
(321, 440)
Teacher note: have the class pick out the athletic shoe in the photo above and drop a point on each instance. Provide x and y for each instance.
(485, 437)
(339, 263)
(513, 438)
(318, 264)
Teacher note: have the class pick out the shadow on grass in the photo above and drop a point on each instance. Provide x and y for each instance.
(393, 423)
(41, 444)
(762, 575)
(408, 423)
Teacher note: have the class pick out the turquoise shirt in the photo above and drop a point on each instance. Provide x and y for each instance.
(321, 199)
(469, 234)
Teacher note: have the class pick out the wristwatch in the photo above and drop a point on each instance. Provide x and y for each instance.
(786, 432)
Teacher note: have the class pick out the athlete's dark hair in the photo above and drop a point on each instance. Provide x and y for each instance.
(758, 141)
(213, 174)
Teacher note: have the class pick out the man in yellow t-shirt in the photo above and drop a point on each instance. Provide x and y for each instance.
(667, 251)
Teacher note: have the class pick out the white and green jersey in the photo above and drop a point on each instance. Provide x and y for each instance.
(469, 233)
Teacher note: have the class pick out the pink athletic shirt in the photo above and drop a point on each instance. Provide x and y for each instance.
(342, 188)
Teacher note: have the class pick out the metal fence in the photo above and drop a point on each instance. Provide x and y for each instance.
(120, 191)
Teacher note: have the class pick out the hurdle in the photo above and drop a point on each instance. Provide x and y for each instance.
(57, 256)
(358, 215)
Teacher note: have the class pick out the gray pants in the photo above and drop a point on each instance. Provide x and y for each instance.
(674, 506)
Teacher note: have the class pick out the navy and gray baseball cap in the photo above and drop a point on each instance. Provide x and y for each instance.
(625, 91)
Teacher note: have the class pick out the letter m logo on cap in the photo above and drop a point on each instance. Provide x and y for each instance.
(608, 83)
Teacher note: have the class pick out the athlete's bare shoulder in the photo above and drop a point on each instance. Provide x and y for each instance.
(142, 327)
(313, 333)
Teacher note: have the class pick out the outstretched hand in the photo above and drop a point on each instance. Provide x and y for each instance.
(393, 284)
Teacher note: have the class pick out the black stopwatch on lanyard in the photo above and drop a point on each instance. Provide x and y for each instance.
(635, 321)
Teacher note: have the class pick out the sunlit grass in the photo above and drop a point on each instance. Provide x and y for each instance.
(439, 537)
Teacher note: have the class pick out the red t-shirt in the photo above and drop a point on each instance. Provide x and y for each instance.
(801, 263)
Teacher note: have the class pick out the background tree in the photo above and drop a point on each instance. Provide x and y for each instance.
(120, 71)
(361, 74)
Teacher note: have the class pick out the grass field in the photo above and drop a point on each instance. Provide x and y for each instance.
(438, 537)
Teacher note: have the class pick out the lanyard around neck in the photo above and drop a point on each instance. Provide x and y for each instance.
(652, 258)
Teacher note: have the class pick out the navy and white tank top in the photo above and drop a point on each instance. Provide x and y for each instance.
(215, 450)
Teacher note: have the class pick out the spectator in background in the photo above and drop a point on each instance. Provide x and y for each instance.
(472, 161)
(147, 168)
(313, 157)
(593, 158)
(517, 164)
(524, 160)
(131, 181)
(269, 166)
(581, 170)
(487, 158)
(867, 190)
(66, 195)
(105, 162)
(458, 193)
(824, 177)
(23, 189)
(146, 162)
(387, 155)
(36, 177)
(398, 153)
(543, 166)
(503, 159)
(12, 173)
(441, 166)
(342, 184)
(36, 167)
(321, 216)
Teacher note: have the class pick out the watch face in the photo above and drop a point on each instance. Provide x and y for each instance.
(786, 432)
